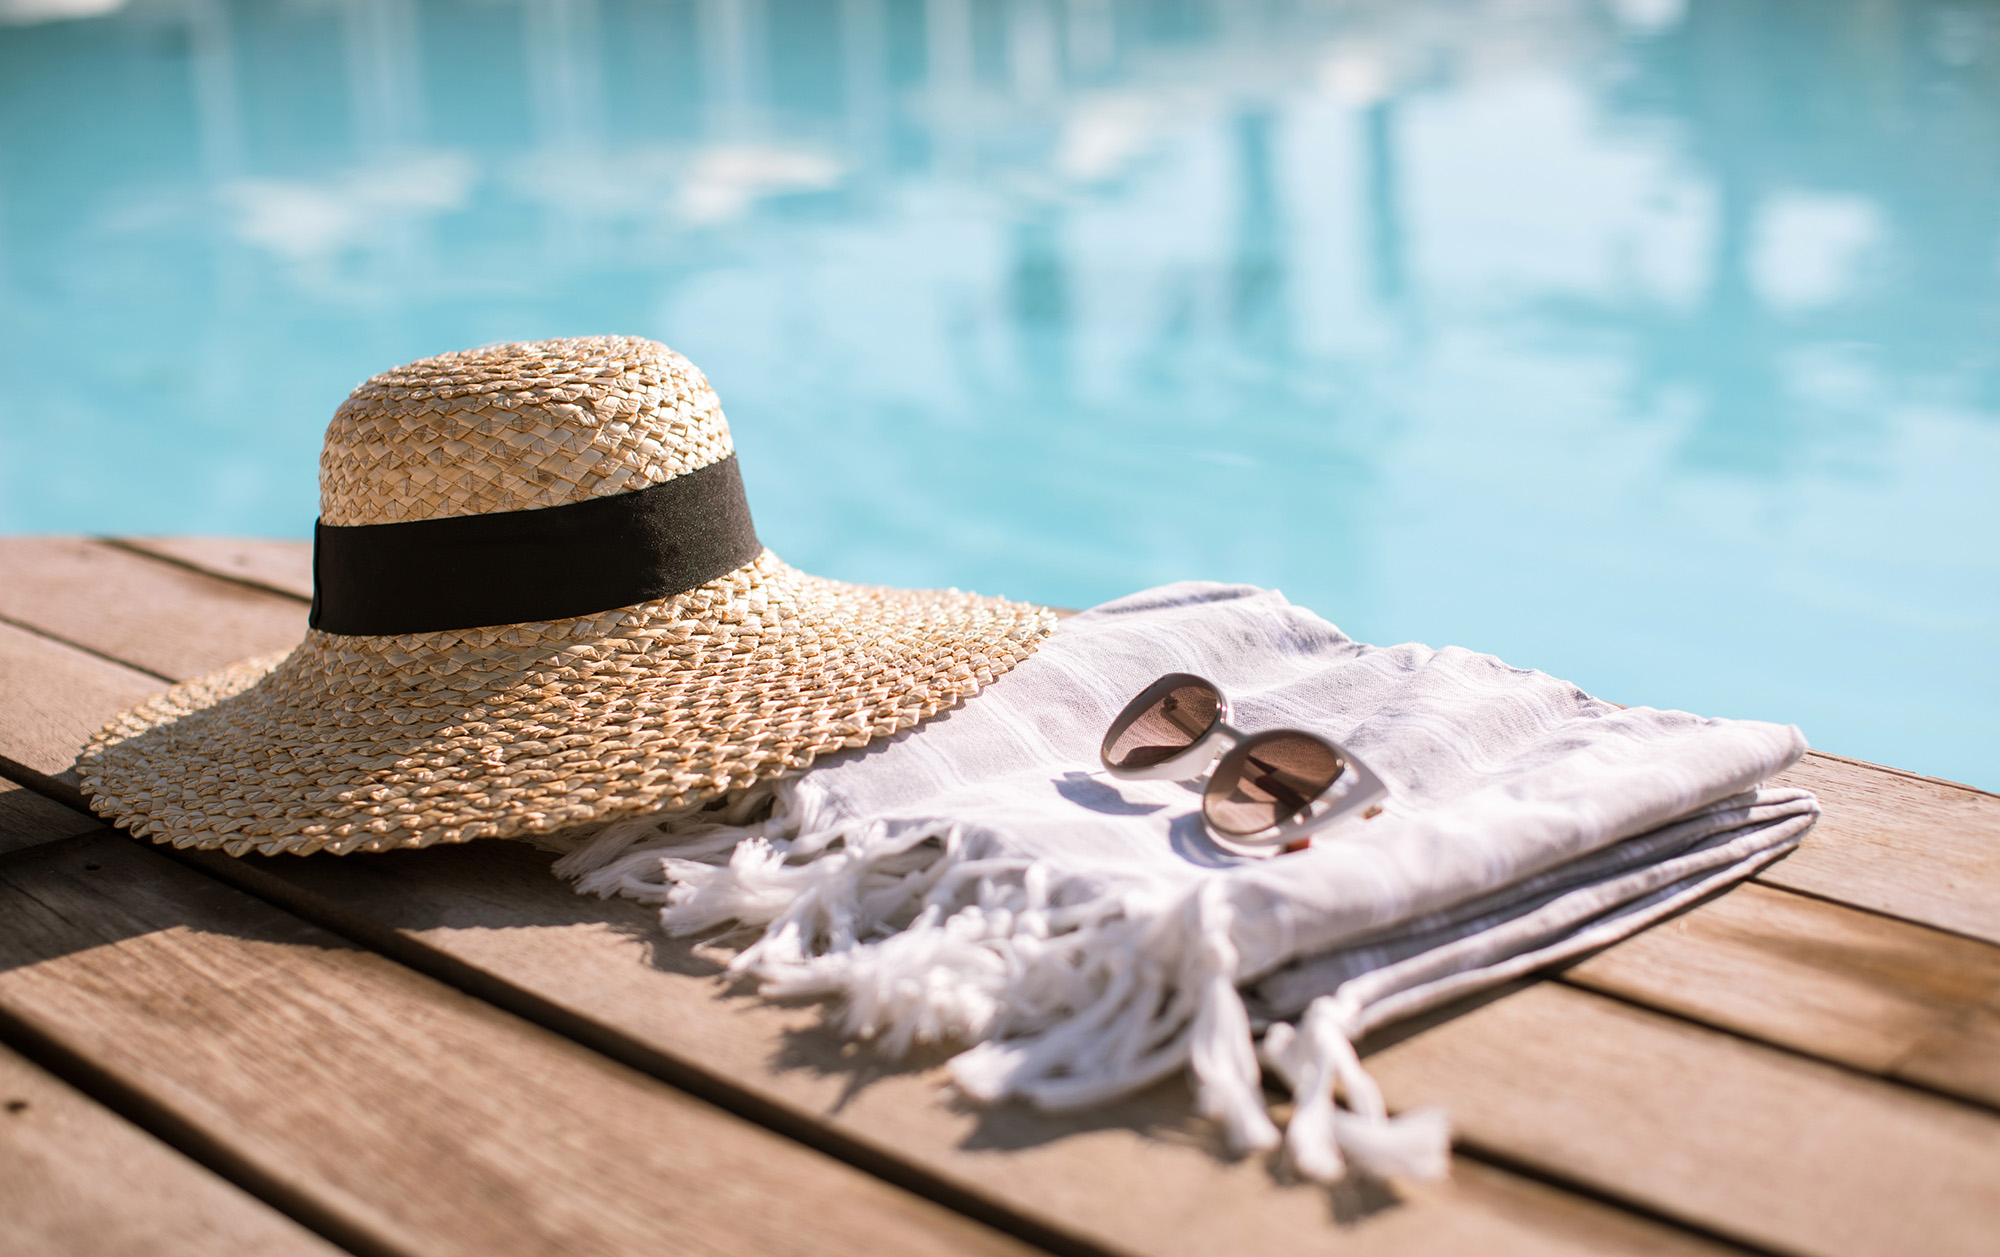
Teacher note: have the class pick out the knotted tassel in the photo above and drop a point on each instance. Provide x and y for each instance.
(1221, 1054)
(1323, 1138)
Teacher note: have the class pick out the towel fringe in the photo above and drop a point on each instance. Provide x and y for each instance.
(1072, 991)
(1322, 1139)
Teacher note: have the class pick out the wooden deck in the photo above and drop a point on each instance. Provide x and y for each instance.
(448, 1052)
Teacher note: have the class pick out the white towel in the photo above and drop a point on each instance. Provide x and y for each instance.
(981, 880)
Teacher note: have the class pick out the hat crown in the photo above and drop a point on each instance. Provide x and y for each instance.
(516, 427)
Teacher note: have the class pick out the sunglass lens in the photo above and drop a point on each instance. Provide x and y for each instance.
(1162, 722)
(1268, 780)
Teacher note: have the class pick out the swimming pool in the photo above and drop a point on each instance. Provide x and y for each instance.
(1654, 344)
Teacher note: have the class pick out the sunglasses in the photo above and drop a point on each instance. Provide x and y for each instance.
(1269, 790)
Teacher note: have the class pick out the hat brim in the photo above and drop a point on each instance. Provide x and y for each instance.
(374, 743)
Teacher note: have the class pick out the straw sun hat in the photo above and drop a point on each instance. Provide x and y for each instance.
(540, 603)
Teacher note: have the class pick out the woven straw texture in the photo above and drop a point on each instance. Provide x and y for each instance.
(372, 743)
(514, 427)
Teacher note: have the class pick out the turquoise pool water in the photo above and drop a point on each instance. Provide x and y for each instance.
(1652, 343)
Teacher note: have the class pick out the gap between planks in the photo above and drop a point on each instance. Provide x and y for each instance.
(29, 818)
(279, 567)
(1616, 951)
(389, 1112)
(76, 1178)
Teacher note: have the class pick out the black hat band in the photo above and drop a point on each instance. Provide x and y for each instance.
(551, 563)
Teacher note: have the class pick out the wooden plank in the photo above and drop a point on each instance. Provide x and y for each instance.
(75, 1178)
(280, 566)
(1962, 1058)
(27, 818)
(1872, 992)
(490, 915)
(1141, 1177)
(1912, 847)
(505, 973)
(1701, 1209)
(53, 697)
(167, 620)
(392, 1112)
(1777, 1150)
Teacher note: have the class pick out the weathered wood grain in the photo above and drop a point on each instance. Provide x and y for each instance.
(75, 1178)
(1869, 991)
(384, 1106)
(513, 953)
(1962, 1058)
(1917, 848)
(1767, 1146)
(52, 698)
(27, 818)
(167, 620)
(1138, 1177)
(281, 566)
(584, 964)
(1141, 1178)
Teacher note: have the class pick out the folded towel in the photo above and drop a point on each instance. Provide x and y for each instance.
(981, 880)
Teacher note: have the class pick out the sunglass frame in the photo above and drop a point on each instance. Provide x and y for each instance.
(1205, 755)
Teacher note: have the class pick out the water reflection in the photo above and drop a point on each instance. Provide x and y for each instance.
(1852, 244)
(1539, 326)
